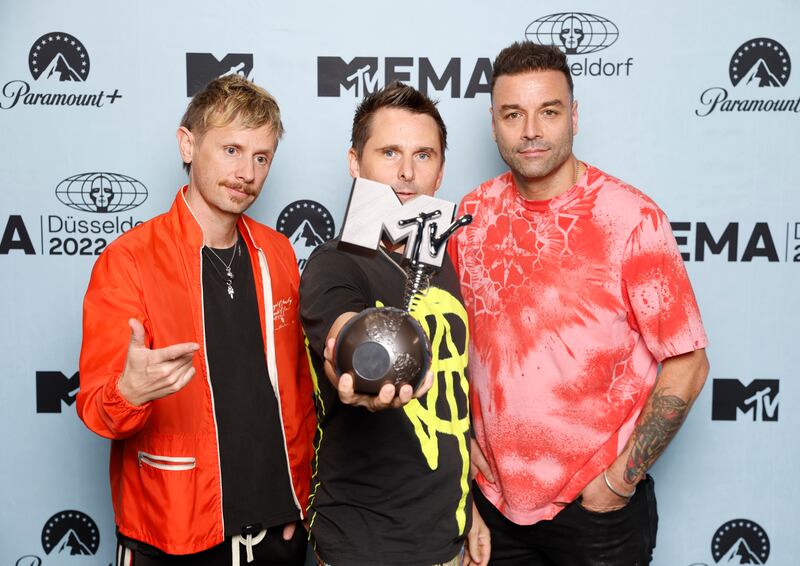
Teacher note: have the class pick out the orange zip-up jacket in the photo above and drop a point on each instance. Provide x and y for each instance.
(165, 471)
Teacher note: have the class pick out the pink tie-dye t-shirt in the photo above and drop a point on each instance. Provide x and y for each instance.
(572, 302)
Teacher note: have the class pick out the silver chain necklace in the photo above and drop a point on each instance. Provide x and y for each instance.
(228, 273)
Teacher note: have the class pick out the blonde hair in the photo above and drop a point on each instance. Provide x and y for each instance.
(230, 99)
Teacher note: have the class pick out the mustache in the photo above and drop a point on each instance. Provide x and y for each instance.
(533, 144)
(243, 187)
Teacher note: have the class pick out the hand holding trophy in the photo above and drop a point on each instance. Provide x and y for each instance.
(384, 345)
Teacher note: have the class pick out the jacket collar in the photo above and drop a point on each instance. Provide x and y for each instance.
(186, 224)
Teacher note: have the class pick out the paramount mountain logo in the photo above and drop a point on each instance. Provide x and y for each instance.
(740, 541)
(756, 68)
(70, 533)
(307, 224)
(58, 56)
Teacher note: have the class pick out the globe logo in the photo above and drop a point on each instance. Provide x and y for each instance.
(101, 192)
(575, 33)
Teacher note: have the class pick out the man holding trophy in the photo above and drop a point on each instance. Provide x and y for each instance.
(391, 481)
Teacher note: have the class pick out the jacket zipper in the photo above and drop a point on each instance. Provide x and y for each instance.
(170, 463)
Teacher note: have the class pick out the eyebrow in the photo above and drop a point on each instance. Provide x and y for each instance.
(545, 104)
(395, 147)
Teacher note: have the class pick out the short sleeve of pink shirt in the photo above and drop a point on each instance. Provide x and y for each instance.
(662, 304)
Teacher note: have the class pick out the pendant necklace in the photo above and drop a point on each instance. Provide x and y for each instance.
(228, 277)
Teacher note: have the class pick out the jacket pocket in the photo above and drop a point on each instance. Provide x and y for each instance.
(169, 463)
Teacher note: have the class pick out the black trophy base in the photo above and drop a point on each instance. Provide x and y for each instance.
(380, 346)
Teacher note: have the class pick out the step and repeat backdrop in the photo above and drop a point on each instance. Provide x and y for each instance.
(696, 103)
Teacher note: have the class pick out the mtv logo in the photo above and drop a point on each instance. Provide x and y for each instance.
(374, 211)
(730, 399)
(202, 68)
(53, 387)
(360, 74)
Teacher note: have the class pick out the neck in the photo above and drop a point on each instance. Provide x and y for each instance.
(219, 228)
(555, 183)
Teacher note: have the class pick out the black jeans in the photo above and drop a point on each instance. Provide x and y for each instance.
(577, 537)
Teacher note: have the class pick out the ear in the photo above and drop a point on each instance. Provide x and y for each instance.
(186, 144)
(494, 134)
(352, 158)
(574, 117)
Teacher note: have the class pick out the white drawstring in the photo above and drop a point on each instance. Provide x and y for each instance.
(248, 542)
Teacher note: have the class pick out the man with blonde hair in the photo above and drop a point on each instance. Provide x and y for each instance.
(193, 362)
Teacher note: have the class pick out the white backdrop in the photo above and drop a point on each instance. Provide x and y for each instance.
(664, 112)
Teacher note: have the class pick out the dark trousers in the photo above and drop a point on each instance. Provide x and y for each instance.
(271, 551)
(576, 536)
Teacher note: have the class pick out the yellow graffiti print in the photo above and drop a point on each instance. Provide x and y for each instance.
(449, 374)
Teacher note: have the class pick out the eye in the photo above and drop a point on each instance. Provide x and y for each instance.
(262, 160)
(230, 150)
(423, 156)
(513, 115)
(389, 153)
(550, 112)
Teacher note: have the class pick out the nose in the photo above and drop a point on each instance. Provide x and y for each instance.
(531, 129)
(246, 172)
(405, 169)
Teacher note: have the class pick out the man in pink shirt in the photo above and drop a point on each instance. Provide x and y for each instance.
(576, 292)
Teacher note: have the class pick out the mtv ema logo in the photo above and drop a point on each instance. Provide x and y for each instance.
(740, 541)
(55, 60)
(574, 32)
(202, 68)
(58, 57)
(67, 533)
(101, 192)
(307, 224)
(757, 67)
(732, 398)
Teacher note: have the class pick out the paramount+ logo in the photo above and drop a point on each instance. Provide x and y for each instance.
(758, 69)
(59, 65)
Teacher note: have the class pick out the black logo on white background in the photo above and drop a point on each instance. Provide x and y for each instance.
(202, 68)
(760, 62)
(101, 192)
(740, 541)
(58, 57)
(738, 241)
(364, 75)
(54, 388)
(57, 61)
(70, 533)
(757, 68)
(307, 224)
(575, 33)
(732, 399)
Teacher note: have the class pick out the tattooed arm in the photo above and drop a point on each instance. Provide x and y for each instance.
(678, 385)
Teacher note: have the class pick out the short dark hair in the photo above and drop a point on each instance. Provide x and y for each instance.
(525, 56)
(393, 95)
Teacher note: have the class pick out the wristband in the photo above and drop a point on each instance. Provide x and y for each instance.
(614, 491)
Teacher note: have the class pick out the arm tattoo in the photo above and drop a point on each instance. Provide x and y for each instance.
(654, 432)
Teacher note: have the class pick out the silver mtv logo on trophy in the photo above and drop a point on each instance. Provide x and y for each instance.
(386, 344)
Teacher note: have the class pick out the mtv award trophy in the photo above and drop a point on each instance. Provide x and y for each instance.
(386, 344)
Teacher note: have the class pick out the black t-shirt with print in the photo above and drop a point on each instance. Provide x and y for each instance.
(390, 487)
